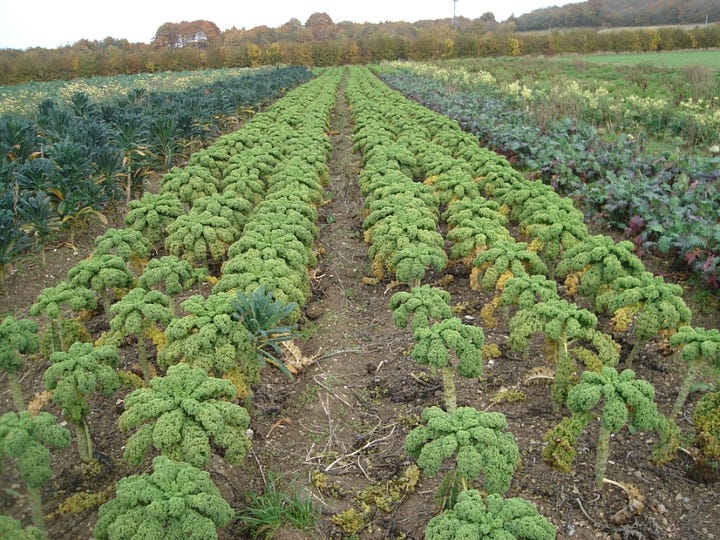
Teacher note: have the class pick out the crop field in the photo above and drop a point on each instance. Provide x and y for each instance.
(610, 151)
(391, 303)
(709, 58)
(23, 99)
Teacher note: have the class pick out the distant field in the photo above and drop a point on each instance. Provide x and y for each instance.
(687, 27)
(709, 58)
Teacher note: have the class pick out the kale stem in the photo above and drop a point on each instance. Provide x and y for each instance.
(684, 392)
(601, 459)
(58, 339)
(633, 353)
(16, 391)
(449, 388)
(142, 356)
(84, 442)
(105, 295)
(36, 508)
(564, 374)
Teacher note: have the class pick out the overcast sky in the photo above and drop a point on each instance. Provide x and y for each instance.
(54, 23)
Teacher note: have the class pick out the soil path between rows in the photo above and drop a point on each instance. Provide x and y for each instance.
(339, 427)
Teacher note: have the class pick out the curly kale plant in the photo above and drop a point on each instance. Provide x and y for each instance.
(102, 275)
(559, 452)
(699, 347)
(249, 270)
(468, 210)
(134, 315)
(189, 183)
(412, 262)
(646, 305)
(405, 246)
(554, 225)
(277, 243)
(476, 438)
(404, 241)
(53, 301)
(493, 517)
(514, 192)
(12, 529)
(214, 159)
(526, 291)
(454, 184)
(171, 275)
(503, 260)
(17, 337)
(200, 238)
(128, 244)
(565, 327)
(181, 414)
(706, 419)
(245, 184)
(176, 500)
(434, 344)
(228, 205)
(436, 333)
(76, 374)
(623, 398)
(152, 214)
(210, 338)
(474, 225)
(285, 233)
(27, 439)
(286, 212)
(424, 304)
(592, 265)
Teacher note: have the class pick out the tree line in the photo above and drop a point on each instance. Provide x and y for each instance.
(321, 42)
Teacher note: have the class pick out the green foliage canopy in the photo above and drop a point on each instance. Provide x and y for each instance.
(77, 373)
(600, 260)
(657, 305)
(504, 256)
(128, 244)
(51, 300)
(27, 438)
(17, 337)
(189, 183)
(210, 338)
(174, 274)
(12, 529)
(493, 517)
(153, 213)
(434, 343)
(423, 304)
(180, 414)
(478, 438)
(137, 310)
(176, 500)
(200, 237)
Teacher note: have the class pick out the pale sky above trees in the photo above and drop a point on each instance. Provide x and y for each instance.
(54, 23)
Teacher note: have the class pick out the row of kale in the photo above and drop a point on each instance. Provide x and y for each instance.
(419, 169)
(251, 214)
(666, 205)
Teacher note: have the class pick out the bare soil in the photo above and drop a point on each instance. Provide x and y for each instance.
(338, 428)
